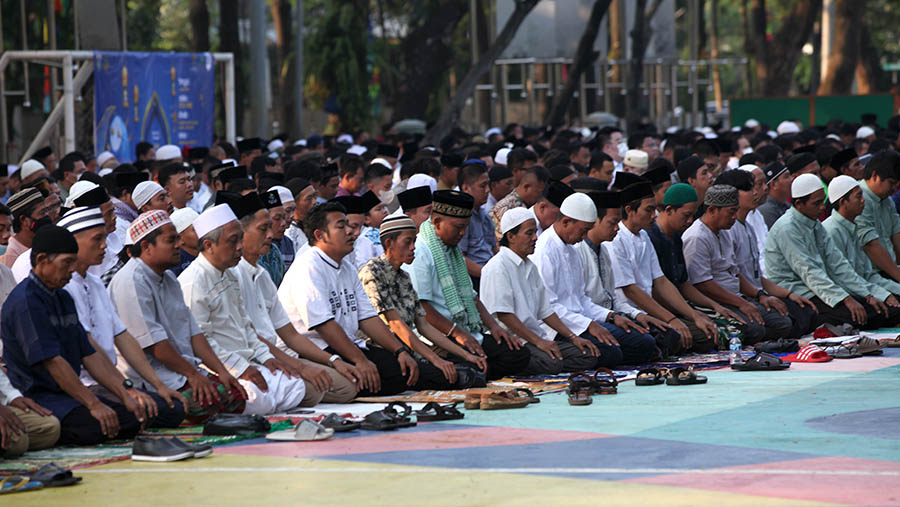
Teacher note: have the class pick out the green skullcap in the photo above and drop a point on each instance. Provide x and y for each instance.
(680, 194)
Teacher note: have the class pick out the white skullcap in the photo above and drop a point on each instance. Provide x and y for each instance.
(30, 167)
(579, 207)
(636, 158)
(301, 142)
(749, 168)
(144, 191)
(231, 161)
(672, 129)
(275, 145)
(103, 172)
(804, 185)
(772, 134)
(11, 169)
(345, 138)
(747, 150)
(284, 194)
(381, 161)
(491, 131)
(213, 218)
(514, 217)
(501, 156)
(787, 127)
(736, 128)
(183, 218)
(422, 180)
(751, 123)
(840, 186)
(80, 188)
(103, 157)
(864, 132)
(82, 218)
(833, 136)
(168, 152)
(585, 132)
(356, 150)
(710, 135)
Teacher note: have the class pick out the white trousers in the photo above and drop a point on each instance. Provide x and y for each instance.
(284, 392)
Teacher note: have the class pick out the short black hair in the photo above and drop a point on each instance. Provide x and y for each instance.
(4, 210)
(142, 148)
(167, 171)
(350, 164)
(317, 218)
(737, 178)
(539, 172)
(151, 237)
(517, 157)
(425, 165)
(67, 164)
(598, 157)
(469, 173)
(376, 171)
(885, 164)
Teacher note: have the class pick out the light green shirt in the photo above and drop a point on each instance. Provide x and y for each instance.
(879, 220)
(802, 258)
(843, 233)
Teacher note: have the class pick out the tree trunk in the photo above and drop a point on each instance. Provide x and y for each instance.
(870, 77)
(641, 33)
(199, 17)
(465, 89)
(616, 52)
(748, 45)
(424, 56)
(714, 51)
(584, 58)
(284, 36)
(776, 59)
(839, 73)
(230, 43)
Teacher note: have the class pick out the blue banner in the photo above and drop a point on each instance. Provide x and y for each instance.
(160, 98)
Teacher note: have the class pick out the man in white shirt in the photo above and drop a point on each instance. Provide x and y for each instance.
(212, 292)
(335, 384)
(639, 276)
(617, 337)
(303, 194)
(512, 289)
(99, 319)
(148, 299)
(325, 300)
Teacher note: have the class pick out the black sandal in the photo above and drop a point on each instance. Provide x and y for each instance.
(683, 377)
(338, 423)
(433, 411)
(762, 362)
(402, 418)
(379, 421)
(524, 392)
(602, 385)
(649, 377)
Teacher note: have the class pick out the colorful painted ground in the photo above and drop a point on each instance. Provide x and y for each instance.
(814, 434)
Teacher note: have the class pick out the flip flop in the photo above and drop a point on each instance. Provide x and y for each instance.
(53, 476)
(306, 430)
(602, 385)
(681, 376)
(18, 484)
(502, 400)
(338, 423)
(869, 346)
(433, 411)
(762, 362)
(843, 351)
(379, 421)
(649, 377)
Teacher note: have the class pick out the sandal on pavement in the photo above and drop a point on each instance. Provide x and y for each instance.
(602, 385)
(305, 430)
(502, 400)
(649, 377)
(472, 402)
(402, 417)
(18, 484)
(681, 376)
(762, 362)
(53, 476)
(338, 423)
(433, 411)
(379, 421)
(524, 392)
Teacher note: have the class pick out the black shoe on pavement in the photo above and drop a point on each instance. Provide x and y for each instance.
(158, 450)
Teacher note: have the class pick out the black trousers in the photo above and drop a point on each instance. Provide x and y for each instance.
(803, 319)
(841, 315)
(392, 379)
(80, 428)
(502, 360)
(165, 417)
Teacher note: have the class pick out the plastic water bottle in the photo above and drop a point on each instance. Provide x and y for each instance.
(734, 345)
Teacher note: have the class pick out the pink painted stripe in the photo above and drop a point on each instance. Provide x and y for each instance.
(411, 441)
(849, 489)
(856, 365)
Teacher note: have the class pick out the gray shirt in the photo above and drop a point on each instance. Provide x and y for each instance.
(152, 308)
(746, 252)
(771, 210)
(710, 256)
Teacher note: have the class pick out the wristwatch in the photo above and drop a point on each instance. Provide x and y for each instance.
(761, 293)
(128, 384)
(332, 359)
(402, 349)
